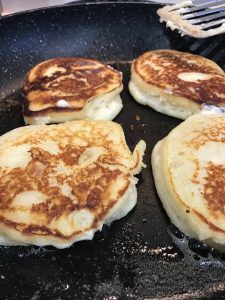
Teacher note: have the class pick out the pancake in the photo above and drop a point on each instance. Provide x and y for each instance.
(189, 172)
(176, 83)
(65, 89)
(60, 183)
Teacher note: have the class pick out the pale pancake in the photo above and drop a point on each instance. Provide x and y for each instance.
(64, 89)
(60, 183)
(176, 83)
(189, 172)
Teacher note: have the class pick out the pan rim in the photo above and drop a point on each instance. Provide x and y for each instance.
(82, 3)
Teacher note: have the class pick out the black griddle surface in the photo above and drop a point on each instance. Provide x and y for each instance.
(141, 256)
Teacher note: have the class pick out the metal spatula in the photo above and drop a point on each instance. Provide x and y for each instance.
(200, 18)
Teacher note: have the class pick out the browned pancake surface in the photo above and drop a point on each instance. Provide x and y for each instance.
(213, 191)
(87, 171)
(162, 68)
(75, 80)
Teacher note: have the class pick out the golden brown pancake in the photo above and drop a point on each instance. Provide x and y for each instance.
(60, 183)
(176, 83)
(189, 172)
(63, 89)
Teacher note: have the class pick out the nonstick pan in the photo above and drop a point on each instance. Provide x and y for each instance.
(141, 256)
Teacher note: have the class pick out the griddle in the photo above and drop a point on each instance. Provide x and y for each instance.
(142, 256)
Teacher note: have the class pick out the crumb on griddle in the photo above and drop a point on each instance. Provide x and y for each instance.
(132, 127)
(137, 117)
